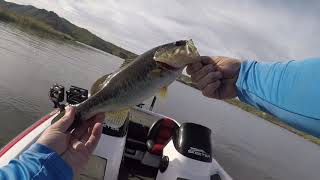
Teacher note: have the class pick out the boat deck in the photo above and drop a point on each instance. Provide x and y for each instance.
(94, 170)
(130, 169)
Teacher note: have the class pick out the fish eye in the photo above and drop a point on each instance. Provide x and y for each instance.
(180, 43)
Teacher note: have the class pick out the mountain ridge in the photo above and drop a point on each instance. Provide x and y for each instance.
(64, 26)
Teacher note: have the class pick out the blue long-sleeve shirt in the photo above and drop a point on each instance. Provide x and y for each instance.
(37, 163)
(289, 90)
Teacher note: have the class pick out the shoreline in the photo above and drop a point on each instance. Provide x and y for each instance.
(32, 24)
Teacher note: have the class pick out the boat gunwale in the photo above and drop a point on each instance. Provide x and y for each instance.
(24, 133)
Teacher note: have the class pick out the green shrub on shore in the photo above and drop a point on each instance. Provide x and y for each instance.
(271, 118)
(6, 17)
(29, 22)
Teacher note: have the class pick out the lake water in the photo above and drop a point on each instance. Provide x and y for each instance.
(247, 146)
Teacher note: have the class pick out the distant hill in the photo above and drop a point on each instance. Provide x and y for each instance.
(62, 25)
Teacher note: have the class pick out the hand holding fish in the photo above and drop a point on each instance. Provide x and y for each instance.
(77, 133)
(75, 147)
(216, 76)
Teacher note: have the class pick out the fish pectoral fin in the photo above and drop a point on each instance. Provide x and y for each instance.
(156, 72)
(163, 91)
(116, 118)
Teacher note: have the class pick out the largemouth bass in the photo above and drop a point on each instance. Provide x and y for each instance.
(137, 81)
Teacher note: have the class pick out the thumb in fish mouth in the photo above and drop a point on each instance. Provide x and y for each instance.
(180, 61)
(191, 60)
(177, 57)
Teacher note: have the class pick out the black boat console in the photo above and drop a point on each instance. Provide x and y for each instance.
(193, 141)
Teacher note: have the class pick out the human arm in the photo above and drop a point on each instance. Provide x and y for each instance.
(289, 90)
(38, 162)
(58, 154)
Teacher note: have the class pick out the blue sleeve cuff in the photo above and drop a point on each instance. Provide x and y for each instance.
(241, 93)
(54, 162)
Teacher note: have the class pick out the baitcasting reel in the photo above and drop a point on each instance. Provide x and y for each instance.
(74, 95)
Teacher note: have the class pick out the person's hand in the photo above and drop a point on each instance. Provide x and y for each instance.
(75, 147)
(216, 76)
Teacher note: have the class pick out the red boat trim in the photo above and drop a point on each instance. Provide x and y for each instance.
(25, 132)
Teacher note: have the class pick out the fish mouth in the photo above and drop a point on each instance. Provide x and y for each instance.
(167, 66)
(177, 55)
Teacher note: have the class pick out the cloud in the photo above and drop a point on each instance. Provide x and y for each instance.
(247, 29)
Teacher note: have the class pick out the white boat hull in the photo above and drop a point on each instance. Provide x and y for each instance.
(111, 151)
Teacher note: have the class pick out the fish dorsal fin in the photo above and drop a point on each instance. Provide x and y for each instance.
(126, 62)
(99, 84)
(116, 118)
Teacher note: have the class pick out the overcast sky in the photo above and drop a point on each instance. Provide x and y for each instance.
(265, 29)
